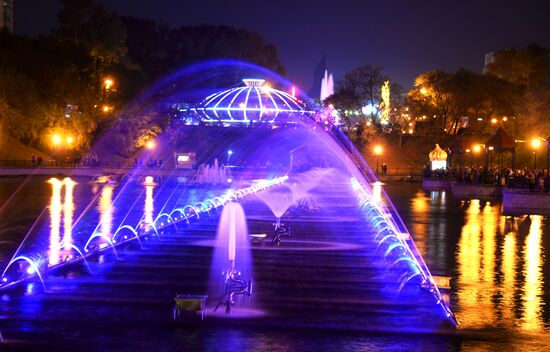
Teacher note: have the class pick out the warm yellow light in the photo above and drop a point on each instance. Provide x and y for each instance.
(108, 83)
(467, 150)
(70, 140)
(504, 119)
(150, 145)
(423, 91)
(535, 143)
(106, 108)
(491, 148)
(377, 150)
(494, 120)
(56, 139)
(477, 148)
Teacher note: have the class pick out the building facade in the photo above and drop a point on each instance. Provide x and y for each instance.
(6, 15)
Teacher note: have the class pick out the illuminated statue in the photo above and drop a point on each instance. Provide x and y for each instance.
(385, 105)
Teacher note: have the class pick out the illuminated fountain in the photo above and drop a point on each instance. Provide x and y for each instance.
(282, 125)
(231, 270)
(212, 174)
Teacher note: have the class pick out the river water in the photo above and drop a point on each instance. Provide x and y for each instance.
(499, 268)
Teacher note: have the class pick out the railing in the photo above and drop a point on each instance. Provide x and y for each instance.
(63, 164)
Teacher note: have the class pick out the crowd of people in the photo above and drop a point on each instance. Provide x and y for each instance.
(533, 180)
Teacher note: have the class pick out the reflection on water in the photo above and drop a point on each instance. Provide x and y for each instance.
(56, 209)
(148, 208)
(532, 292)
(55, 220)
(105, 208)
(68, 211)
(499, 263)
(497, 282)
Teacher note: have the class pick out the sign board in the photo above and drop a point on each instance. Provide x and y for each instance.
(185, 160)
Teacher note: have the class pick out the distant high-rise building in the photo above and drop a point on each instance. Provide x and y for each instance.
(6, 15)
(489, 59)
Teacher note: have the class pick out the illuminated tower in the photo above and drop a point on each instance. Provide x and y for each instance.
(6, 15)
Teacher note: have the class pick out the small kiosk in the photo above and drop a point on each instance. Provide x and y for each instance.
(185, 160)
(438, 158)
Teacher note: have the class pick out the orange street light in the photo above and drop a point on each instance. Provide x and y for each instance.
(106, 108)
(56, 139)
(494, 120)
(70, 140)
(150, 145)
(108, 83)
(477, 148)
(423, 91)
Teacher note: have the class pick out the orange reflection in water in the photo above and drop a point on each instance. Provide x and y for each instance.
(68, 211)
(57, 208)
(532, 288)
(488, 283)
(55, 221)
(421, 211)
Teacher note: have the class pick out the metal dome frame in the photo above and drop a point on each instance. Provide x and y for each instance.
(253, 102)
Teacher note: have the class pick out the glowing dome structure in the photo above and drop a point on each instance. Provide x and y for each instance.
(438, 158)
(256, 101)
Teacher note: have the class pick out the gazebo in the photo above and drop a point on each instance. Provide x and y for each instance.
(462, 145)
(438, 158)
(501, 142)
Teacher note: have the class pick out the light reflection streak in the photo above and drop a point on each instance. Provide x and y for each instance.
(106, 210)
(470, 296)
(68, 211)
(421, 209)
(55, 221)
(508, 275)
(532, 292)
(149, 205)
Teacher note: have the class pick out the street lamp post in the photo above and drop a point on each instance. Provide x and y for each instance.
(229, 153)
(535, 143)
(377, 152)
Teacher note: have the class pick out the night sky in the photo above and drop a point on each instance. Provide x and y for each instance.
(405, 37)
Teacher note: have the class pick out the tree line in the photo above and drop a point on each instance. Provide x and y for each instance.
(56, 84)
(513, 92)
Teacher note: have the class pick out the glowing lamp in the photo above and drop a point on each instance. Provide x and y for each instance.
(108, 83)
(150, 145)
(535, 143)
(229, 152)
(149, 180)
(477, 148)
(377, 150)
(494, 120)
(70, 140)
(30, 270)
(56, 139)
(423, 91)
(4, 279)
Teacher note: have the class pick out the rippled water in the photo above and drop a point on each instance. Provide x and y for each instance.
(499, 265)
